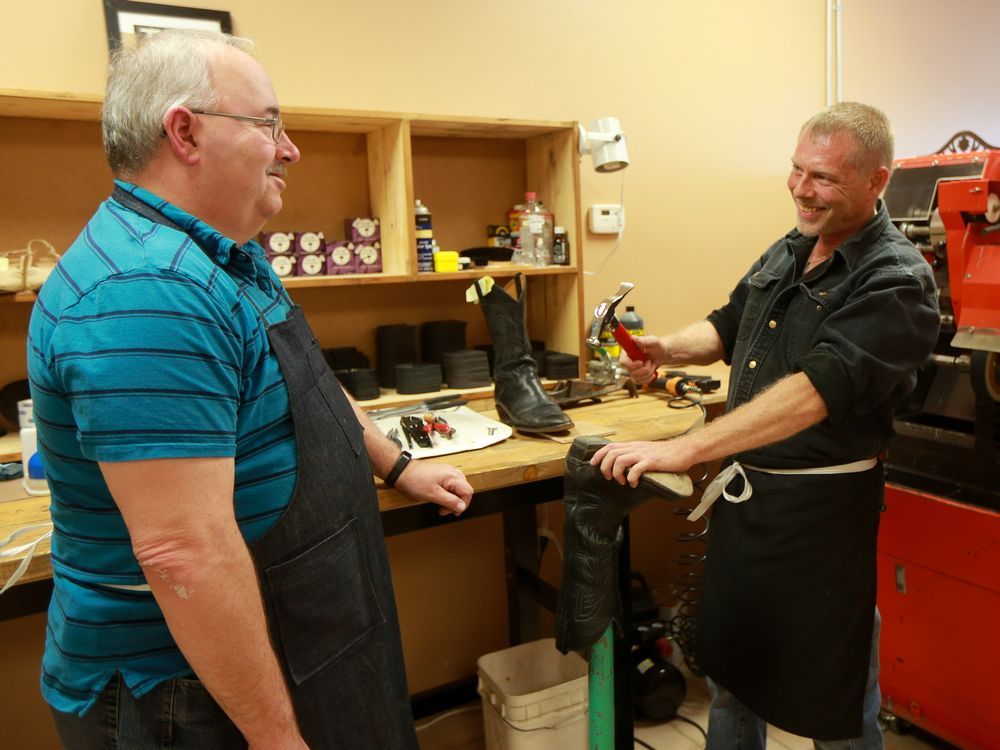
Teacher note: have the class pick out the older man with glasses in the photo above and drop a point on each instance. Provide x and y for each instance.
(220, 575)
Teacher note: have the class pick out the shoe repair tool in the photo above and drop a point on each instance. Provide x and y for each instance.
(439, 425)
(393, 435)
(604, 317)
(414, 429)
(432, 404)
(685, 390)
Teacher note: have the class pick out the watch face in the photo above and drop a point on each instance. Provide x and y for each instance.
(310, 242)
(282, 265)
(279, 242)
(368, 255)
(341, 255)
(312, 265)
(365, 227)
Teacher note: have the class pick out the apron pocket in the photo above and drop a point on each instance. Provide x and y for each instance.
(323, 602)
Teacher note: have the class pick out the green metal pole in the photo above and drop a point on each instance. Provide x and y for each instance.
(602, 693)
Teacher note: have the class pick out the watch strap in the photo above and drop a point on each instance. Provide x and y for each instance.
(397, 468)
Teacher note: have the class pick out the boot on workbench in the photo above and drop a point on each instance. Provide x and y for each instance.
(595, 508)
(520, 398)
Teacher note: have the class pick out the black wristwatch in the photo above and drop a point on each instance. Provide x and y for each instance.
(397, 468)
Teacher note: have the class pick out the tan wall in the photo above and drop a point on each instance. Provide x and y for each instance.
(710, 95)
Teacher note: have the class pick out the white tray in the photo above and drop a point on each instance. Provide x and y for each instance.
(473, 431)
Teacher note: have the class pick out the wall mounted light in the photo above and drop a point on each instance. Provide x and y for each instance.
(605, 142)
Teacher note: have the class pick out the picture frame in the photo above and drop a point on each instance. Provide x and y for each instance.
(128, 21)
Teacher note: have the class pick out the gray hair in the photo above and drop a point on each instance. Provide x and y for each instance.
(165, 70)
(868, 126)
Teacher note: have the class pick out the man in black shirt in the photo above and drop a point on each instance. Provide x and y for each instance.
(824, 334)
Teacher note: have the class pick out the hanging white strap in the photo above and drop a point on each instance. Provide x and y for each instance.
(718, 487)
(30, 547)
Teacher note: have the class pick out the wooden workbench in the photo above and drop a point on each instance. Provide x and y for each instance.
(518, 461)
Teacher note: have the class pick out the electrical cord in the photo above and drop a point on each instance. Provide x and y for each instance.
(693, 723)
(686, 400)
(618, 240)
(447, 715)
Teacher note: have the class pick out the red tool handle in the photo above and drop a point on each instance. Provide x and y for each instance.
(625, 340)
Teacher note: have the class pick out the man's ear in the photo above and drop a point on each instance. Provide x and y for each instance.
(179, 126)
(880, 178)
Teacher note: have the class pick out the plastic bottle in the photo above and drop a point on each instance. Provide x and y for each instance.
(34, 480)
(632, 321)
(425, 237)
(560, 247)
(536, 232)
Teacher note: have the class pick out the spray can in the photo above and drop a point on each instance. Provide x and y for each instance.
(425, 237)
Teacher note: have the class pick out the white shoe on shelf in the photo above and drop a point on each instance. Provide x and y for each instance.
(12, 265)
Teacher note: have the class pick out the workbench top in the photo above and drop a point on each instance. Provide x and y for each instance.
(518, 460)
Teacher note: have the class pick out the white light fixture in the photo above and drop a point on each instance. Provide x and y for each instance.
(605, 142)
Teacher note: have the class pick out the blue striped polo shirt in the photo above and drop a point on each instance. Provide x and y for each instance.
(147, 342)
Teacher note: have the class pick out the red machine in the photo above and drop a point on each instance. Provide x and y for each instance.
(939, 543)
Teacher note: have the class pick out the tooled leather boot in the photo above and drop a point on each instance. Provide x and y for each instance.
(521, 401)
(595, 508)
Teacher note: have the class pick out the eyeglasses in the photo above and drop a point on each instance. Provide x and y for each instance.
(277, 126)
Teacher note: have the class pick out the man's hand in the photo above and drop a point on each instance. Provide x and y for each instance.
(436, 483)
(627, 462)
(656, 355)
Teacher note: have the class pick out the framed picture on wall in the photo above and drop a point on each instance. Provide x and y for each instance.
(128, 21)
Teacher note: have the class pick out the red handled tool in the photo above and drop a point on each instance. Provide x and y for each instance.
(604, 317)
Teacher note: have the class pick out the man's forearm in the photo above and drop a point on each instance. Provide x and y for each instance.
(382, 452)
(698, 344)
(785, 409)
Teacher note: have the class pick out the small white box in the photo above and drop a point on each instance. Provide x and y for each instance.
(607, 218)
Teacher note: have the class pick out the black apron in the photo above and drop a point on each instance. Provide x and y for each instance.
(324, 572)
(788, 606)
(323, 569)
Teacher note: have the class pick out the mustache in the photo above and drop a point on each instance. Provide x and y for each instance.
(278, 169)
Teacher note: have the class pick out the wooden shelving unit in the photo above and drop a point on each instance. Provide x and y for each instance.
(469, 171)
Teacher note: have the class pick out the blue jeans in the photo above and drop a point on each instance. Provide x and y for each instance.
(732, 726)
(177, 714)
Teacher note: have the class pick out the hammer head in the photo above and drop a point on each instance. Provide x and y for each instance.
(604, 313)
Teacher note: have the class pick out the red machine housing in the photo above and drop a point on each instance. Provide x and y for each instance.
(969, 209)
(939, 542)
(939, 595)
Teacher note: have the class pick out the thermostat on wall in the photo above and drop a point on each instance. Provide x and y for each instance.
(607, 218)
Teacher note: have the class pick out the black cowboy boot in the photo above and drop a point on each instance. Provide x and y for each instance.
(521, 400)
(595, 508)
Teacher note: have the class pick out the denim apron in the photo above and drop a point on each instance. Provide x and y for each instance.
(324, 572)
(786, 619)
(323, 569)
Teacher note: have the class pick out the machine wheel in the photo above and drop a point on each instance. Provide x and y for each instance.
(984, 370)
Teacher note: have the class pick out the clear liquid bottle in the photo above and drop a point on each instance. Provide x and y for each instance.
(536, 232)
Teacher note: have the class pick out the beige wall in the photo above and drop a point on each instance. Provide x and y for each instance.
(710, 96)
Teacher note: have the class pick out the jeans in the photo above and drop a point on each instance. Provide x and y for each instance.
(732, 726)
(177, 714)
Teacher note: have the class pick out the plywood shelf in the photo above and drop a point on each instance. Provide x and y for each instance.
(469, 170)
